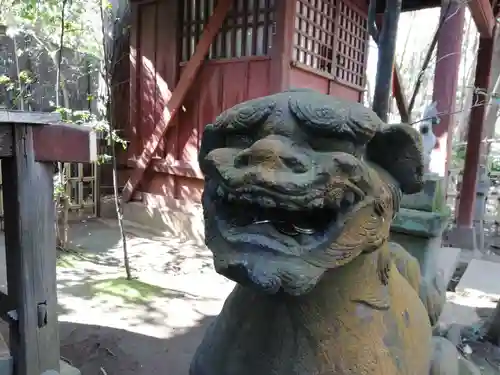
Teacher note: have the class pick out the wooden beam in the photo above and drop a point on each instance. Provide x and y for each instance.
(53, 140)
(187, 78)
(483, 16)
(29, 118)
(178, 168)
(65, 143)
(5, 140)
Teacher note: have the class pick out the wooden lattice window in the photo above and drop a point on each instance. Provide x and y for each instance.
(314, 33)
(331, 37)
(351, 46)
(246, 31)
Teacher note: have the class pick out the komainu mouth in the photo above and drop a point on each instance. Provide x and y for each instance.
(307, 180)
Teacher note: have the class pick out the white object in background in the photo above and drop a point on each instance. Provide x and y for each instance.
(429, 118)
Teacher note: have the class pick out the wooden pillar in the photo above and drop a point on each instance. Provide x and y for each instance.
(28, 148)
(30, 246)
(282, 46)
(476, 122)
(445, 82)
(385, 64)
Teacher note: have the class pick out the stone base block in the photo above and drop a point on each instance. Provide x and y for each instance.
(461, 237)
(67, 369)
(478, 289)
(6, 362)
(446, 260)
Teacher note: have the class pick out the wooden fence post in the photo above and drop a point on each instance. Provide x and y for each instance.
(29, 146)
(30, 247)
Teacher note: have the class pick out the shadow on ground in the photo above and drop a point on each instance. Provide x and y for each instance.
(120, 352)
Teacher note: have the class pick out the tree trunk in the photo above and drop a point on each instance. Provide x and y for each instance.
(113, 44)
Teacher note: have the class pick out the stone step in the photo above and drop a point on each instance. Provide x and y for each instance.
(67, 369)
(5, 358)
(6, 363)
(447, 260)
(477, 291)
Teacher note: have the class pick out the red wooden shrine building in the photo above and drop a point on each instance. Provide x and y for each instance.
(190, 60)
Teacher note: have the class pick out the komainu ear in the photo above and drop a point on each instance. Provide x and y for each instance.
(398, 149)
(210, 140)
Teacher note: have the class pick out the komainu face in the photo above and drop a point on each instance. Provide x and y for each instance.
(300, 182)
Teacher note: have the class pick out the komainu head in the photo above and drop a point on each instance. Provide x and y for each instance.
(298, 183)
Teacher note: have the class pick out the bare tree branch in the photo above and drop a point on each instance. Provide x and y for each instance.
(443, 18)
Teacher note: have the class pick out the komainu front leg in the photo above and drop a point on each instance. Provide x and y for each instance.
(432, 291)
(406, 264)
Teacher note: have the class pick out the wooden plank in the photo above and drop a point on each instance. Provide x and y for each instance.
(29, 118)
(5, 140)
(30, 257)
(134, 108)
(65, 143)
(176, 168)
(187, 78)
(167, 62)
(483, 17)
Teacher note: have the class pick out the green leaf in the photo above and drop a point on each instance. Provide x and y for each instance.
(4, 80)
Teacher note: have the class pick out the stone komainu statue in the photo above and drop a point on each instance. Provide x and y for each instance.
(300, 191)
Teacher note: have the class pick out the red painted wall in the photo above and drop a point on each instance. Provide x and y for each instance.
(219, 85)
(303, 77)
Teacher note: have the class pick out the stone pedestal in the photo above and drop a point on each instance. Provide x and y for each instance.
(420, 233)
(472, 238)
(418, 227)
(420, 222)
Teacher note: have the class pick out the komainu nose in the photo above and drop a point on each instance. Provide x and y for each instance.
(273, 154)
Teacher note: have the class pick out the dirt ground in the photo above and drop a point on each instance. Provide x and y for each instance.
(150, 325)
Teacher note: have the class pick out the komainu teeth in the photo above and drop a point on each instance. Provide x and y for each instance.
(231, 197)
(303, 230)
(287, 229)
